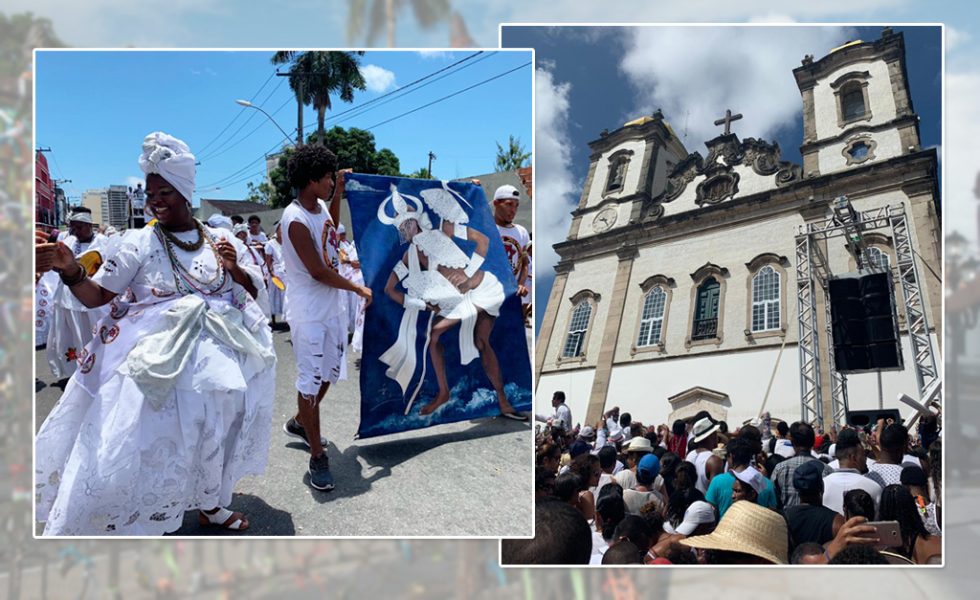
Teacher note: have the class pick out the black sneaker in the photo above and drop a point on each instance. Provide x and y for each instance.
(320, 477)
(292, 428)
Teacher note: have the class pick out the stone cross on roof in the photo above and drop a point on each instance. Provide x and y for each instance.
(727, 120)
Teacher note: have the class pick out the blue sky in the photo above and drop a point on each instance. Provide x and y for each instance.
(601, 77)
(95, 107)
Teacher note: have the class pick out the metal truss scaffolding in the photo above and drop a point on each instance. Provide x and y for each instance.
(813, 273)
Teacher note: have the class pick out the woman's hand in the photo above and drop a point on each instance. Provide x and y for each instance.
(51, 255)
(228, 254)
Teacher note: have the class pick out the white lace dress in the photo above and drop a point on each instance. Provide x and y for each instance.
(172, 401)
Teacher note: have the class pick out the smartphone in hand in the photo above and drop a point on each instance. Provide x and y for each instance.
(889, 534)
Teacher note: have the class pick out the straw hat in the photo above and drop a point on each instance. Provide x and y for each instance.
(748, 528)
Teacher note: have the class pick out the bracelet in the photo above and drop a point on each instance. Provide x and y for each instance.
(72, 282)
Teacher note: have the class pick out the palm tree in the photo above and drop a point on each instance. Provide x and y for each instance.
(314, 76)
(383, 14)
(513, 156)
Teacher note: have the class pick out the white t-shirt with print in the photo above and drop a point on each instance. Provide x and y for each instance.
(308, 300)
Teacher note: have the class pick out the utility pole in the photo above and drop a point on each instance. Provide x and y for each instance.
(432, 157)
(299, 105)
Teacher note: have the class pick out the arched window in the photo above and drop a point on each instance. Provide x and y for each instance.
(706, 310)
(652, 317)
(852, 102)
(578, 328)
(879, 258)
(765, 300)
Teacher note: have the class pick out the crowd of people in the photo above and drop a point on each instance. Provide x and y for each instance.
(164, 336)
(697, 492)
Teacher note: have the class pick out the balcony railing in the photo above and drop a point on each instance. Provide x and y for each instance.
(705, 329)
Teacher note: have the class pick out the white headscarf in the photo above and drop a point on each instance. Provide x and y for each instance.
(170, 158)
(218, 220)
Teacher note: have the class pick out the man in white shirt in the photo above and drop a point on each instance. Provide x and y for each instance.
(562, 418)
(849, 476)
(506, 201)
(255, 234)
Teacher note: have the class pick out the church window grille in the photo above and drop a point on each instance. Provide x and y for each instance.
(652, 317)
(577, 330)
(765, 300)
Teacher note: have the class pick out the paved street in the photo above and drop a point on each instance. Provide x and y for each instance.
(472, 478)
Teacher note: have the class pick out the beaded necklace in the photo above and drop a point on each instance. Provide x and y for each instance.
(184, 280)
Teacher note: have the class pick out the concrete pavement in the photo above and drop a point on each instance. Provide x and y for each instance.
(464, 479)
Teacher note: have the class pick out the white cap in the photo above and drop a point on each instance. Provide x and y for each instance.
(240, 228)
(753, 477)
(506, 192)
(341, 229)
(80, 217)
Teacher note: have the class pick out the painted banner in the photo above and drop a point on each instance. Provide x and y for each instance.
(444, 338)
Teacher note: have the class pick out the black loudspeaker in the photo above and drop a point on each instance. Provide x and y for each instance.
(865, 323)
(867, 418)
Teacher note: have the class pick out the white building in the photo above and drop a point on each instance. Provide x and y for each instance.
(94, 200)
(676, 290)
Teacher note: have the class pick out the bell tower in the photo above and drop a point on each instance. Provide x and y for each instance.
(856, 106)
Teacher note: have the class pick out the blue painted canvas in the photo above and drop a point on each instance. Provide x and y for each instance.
(444, 335)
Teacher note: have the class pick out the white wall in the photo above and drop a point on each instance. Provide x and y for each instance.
(880, 95)
(889, 145)
(577, 386)
(632, 172)
(642, 389)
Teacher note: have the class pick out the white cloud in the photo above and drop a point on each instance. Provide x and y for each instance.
(554, 184)
(695, 73)
(435, 54)
(960, 161)
(955, 37)
(378, 79)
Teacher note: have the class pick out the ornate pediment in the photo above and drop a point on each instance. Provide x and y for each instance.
(693, 400)
(721, 181)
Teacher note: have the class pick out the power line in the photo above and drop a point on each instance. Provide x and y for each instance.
(438, 100)
(223, 181)
(358, 107)
(235, 118)
(407, 92)
(250, 133)
(224, 145)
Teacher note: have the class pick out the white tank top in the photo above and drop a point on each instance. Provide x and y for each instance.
(700, 460)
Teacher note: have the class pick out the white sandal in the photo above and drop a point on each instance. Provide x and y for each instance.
(232, 521)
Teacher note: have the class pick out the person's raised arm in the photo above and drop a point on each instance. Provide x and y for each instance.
(300, 237)
(338, 192)
(59, 257)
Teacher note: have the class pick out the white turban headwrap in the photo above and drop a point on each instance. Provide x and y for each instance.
(170, 158)
(220, 221)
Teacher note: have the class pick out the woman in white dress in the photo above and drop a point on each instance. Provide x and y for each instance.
(172, 401)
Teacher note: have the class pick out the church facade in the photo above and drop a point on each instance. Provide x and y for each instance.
(676, 288)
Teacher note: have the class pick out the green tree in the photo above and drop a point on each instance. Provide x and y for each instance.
(421, 173)
(355, 150)
(281, 193)
(261, 193)
(386, 163)
(384, 13)
(315, 76)
(512, 157)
